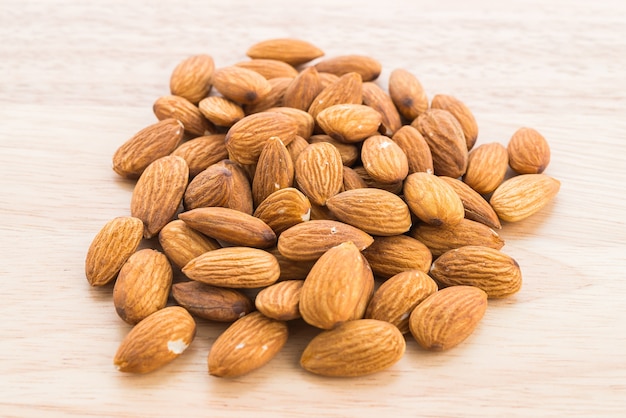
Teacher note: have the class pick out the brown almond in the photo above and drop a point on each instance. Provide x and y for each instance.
(367, 67)
(289, 50)
(476, 207)
(221, 111)
(321, 212)
(214, 303)
(303, 89)
(432, 200)
(529, 152)
(327, 79)
(350, 153)
(352, 180)
(395, 187)
(240, 190)
(241, 85)
(384, 160)
(274, 170)
(349, 122)
(376, 98)
(416, 149)
(462, 113)
(269, 68)
(347, 89)
(181, 109)
(296, 146)
(291, 269)
(202, 152)
(283, 209)
(280, 301)
(209, 188)
(319, 172)
(407, 94)
(486, 167)
(181, 244)
(303, 119)
(273, 99)
(524, 195)
(192, 78)
(388, 256)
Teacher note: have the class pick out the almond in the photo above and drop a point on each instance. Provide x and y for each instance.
(351, 179)
(274, 170)
(211, 302)
(209, 188)
(269, 68)
(347, 89)
(376, 98)
(234, 267)
(384, 160)
(476, 207)
(327, 79)
(486, 167)
(249, 343)
(388, 256)
(146, 146)
(303, 89)
(274, 98)
(111, 247)
(462, 113)
(414, 146)
(367, 67)
(220, 111)
(350, 153)
(529, 152)
(181, 244)
(142, 286)
(156, 341)
(447, 317)
(354, 348)
(283, 209)
(396, 298)
(291, 269)
(349, 122)
(374, 211)
(176, 107)
(241, 85)
(280, 301)
(432, 200)
(158, 193)
(319, 172)
(321, 213)
(395, 187)
(230, 225)
(192, 78)
(240, 191)
(289, 50)
(309, 240)
(407, 94)
(202, 152)
(296, 146)
(303, 120)
(488, 269)
(522, 196)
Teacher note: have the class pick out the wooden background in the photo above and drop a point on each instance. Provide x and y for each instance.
(77, 79)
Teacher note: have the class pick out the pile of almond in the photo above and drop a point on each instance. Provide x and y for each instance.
(288, 190)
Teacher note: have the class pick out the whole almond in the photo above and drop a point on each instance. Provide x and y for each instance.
(234, 267)
(211, 187)
(354, 348)
(156, 341)
(111, 247)
(396, 298)
(395, 187)
(319, 172)
(303, 89)
(416, 149)
(486, 167)
(283, 209)
(230, 225)
(407, 94)
(289, 50)
(374, 211)
(249, 343)
(274, 98)
(384, 160)
(202, 152)
(280, 301)
(529, 152)
(327, 79)
(181, 244)
(158, 193)
(447, 317)
(142, 286)
(291, 269)
(240, 190)
(476, 207)
(309, 240)
(296, 146)
(221, 111)
(334, 290)
(321, 213)
(241, 85)
(350, 153)
(303, 119)
(486, 268)
(351, 179)
(349, 122)
(347, 89)
(432, 200)
(213, 303)
(376, 98)
(146, 146)
(388, 256)
(367, 67)
(274, 170)
(462, 113)
(524, 195)
(176, 107)
(192, 77)
(269, 68)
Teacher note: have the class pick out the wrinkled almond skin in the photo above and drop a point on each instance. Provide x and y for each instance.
(211, 187)
(240, 197)
(319, 172)
(274, 170)
(234, 267)
(158, 193)
(289, 50)
(213, 303)
(249, 343)
(384, 160)
(395, 187)
(192, 78)
(156, 341)
(496, 273)
(303, 89)
(529, 152)
(347, 89)
(407, 94)
(376, 98)
(447, 317)
(524, 195)
(303, 119)
(367, 67)
(274, 98)
(181, 244)
(309, 240)
(202, 152)
(396, 298)
(432, 200)
(476, 207)
(221, 111)
(374, 211)
(350, 153)
(291, 269)
(354, 348)
(440, 239)
(269, 68)
(462, 113)
(143, 285)
(349, 122)
(388, 256)
(283, 209)
(411, 141)
(111, 247)
(334, 290)
(296, 146)
(241, 85)
(351, 180)
(280, 301)
(486, 167)
(230, 225)
(146, 146)
(187, 113)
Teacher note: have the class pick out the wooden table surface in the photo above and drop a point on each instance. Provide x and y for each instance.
(77, 79)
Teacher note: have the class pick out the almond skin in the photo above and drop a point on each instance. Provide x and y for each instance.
(274, 171)
(111, 247)
(283, 209)
(274, 98)
(211, 302)
(486, 167)
(280, 301)
(354, 348)
(289, 50)
(319, 172)
(347, 89)
(269, 68)
(303, 89)
(158, 193)
(496, 273)
(309, 240)
(182, 244)
(291, 269)
(447, 317)
(432, 200)
(524, 195)
(220, 111)
(156, 341)
(234, 267)
(416, 149)
(388, 256)
(303, 119)
(376, 98)
(296, 146)
(211, 187)
(350, 153)
(529, 152)
(249, 343)
(187, 113)
(476, 207)
(146, 146)
(202, 152)
(395, 187)
(462, 113)
(407, 94)
(241, 85)
(367, 67)
(142, 286)
(192, 78)
(374, 211)
(349, 122)
(384, 160)
(351, 180)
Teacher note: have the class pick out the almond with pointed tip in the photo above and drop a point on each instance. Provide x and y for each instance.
(486, 167)
(291, 269)
(192, 77)
(417, 152)
(524, 195)
(274, 170)
(269, 68)
(303, 89)
(280, 301)
(384, 160)
(181, 243)
(273, 99)
(213, 303)
(319, 172)
(367, 67)
(529, 152)
(179, 108)
(303, 119)
(209, 188)
(241, 85)
(476, 207)
(202, 152)
(351, 180)
(289, 50)
(348, 89)
(349, 122)
(407, 94)
(221, 111)
(432, 200)
(462, 113)
(376, 98)
(350, 153)
(388, 256)
(296, 146)
(395, 187)
(283, 209)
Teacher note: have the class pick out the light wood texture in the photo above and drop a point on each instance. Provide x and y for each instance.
(79, 78)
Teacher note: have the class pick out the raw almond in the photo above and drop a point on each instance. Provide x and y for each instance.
(209, 188)
(234, 267)
(241, 85)
(347, 89)
(524, 195)
(462, 113)
(486, 167)
(376, 98)
(407, 94)
(274, 170)
(388, 256)
(350, 153)
(529, 152)
(283, 209)
(432, 200)
(181, 244)
(327, 79)
(291, 269)
(202, 152)
(249, 343)
(111, 247)
(192, 78)
(220, 111)
(274, 98)
(319, 172)
(214, 303)
(156, 341)
(354, 348)
(269, 68)
(240, 191)
(447, 317)
(395, 187)
(176, 107)
(280, 301)
(296, 146)
(289, 50)
(384, 160)
(351, 180)
(416, 149)
(303, 89)
(303, 119)
(488, 269)
(367, 67)
(349, 122)
(476, 207)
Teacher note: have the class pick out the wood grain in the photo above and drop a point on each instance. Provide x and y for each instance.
(79, 78)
